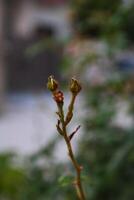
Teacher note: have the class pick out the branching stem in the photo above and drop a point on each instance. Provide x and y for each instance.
(63, 121)
(78, 168)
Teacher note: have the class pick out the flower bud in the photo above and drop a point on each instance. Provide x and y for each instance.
(59, 97)
(75, 86)
(52, 84)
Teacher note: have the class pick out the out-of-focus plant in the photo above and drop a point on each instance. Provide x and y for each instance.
(63, 122)
(99, 34)
(128, 24)
(43, 172)
(12, 178)
(95, 19)
(107, 148)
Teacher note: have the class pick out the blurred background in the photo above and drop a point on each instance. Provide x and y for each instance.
(93, 41)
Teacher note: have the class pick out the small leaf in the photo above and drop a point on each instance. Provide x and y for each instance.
(65, 180)
(85, 178)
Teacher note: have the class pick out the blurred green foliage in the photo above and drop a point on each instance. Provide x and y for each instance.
(95, 18)
(12, 179)
(128, 23)
(107, 150)
(112, 20)
(40, 177)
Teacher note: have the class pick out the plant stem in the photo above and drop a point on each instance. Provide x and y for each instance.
(78, 184)
(70, 110)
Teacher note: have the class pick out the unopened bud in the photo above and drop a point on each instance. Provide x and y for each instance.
(75, 86)
(59, 97)
(52, 84)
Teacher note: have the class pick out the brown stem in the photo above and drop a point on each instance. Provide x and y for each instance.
(74, 132)
(78, 184)
(70, 110)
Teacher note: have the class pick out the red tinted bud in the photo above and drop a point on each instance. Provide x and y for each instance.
(59, 97)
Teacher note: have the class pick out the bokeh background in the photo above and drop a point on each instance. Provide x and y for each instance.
(94, 42)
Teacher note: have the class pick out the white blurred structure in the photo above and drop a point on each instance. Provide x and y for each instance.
(29, 16)
(29, 124)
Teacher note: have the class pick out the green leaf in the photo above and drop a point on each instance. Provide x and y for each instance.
(65, 180)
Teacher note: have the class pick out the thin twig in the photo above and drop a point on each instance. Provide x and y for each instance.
(59, 128)
(78, 168)
(70, 110)
(74, 132)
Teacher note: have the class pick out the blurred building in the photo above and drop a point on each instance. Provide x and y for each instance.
(52, 13)
(33, 29)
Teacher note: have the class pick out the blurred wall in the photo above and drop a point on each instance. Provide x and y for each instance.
(30, 58)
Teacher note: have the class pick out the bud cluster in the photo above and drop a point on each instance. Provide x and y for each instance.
(53, 85)
(62, 122)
